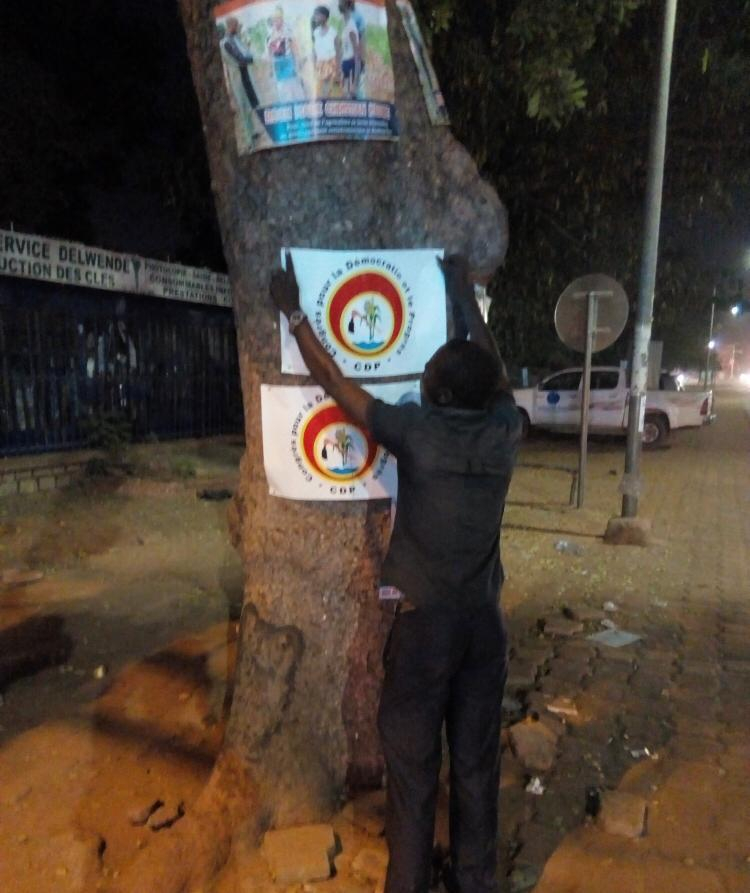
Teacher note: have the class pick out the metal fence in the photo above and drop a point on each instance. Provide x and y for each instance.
(68, 355)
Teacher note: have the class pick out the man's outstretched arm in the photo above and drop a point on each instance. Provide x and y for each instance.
(353, 399)
(460, 291)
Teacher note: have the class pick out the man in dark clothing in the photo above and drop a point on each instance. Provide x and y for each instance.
(241, 57)
(446, 657)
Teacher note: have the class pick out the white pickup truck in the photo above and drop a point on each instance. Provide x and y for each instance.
(555, 404)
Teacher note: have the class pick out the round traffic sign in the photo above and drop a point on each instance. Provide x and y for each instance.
(612, 309)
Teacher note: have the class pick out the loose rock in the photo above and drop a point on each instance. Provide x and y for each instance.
(298, 855)
(534, 744)
(623, 814)
(370, 865)
(521, 675)
(563, 707)
(555, 724)
(560, 626)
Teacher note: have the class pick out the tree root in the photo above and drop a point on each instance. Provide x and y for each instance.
(191, 853)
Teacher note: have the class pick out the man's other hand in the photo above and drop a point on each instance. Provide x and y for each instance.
(455, 268)
(284, 288)
(460, 290)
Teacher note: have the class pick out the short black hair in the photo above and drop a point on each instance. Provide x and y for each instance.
(472, 374)
(323, 10)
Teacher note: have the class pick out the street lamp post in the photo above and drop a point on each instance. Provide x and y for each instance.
(710, 343)
(642, 336)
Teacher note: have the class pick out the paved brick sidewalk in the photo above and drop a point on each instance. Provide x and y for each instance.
(683, 692)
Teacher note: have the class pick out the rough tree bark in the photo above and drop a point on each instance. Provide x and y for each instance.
(302, 723)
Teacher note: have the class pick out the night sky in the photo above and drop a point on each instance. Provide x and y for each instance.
(102, 139)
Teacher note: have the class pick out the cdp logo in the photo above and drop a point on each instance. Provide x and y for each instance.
(334, 448)
(367, 314)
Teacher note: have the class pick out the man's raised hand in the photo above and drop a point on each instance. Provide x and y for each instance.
(460, 290)
(455, 268)
(284, 288)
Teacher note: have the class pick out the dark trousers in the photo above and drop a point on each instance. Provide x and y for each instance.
(443, 666)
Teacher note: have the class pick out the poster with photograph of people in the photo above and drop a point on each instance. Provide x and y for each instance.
(298, 71)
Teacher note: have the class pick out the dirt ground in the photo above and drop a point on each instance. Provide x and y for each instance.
(132, 624)
(130, 637)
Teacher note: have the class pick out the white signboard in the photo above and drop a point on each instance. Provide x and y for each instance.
(377, 313)
(178, 283)
(71, 263)
(312, 451)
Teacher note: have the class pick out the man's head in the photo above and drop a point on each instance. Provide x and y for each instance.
(346, 6)
(462, 375)
(233, 26)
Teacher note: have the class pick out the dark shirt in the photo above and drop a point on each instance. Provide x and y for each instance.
(454, 468)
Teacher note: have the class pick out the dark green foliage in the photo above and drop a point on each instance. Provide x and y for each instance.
(553, 99)
(111, 433)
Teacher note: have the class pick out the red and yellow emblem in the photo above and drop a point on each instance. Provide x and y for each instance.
(367, 313)
(334, 447)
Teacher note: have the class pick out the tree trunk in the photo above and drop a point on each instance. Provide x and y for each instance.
(302, 722)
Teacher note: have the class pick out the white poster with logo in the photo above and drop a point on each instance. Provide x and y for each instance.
(312, 451)
(377, 313)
